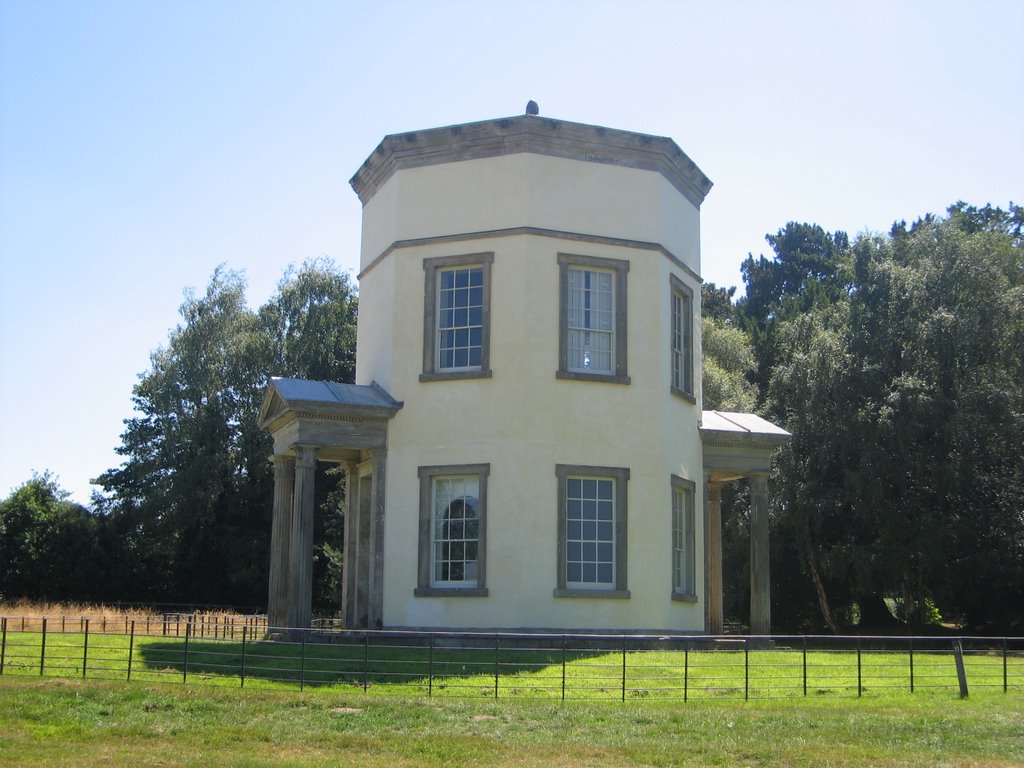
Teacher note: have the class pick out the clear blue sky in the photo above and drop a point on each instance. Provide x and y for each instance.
(144, 143)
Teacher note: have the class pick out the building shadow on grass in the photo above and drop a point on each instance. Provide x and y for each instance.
(364, 660)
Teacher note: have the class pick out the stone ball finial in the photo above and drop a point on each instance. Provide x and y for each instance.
(532, 108)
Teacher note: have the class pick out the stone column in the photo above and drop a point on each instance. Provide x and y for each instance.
(348, 552)
(760, 575)
(280, 536)
(715, 620)
(376, 607)
(300, 578)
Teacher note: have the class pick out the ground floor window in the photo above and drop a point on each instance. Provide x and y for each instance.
(683, 555)
(453, 526)
(592, 514)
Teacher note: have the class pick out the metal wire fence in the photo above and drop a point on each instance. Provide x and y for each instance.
(247, 653)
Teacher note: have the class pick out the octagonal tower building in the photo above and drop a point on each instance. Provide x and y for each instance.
(523, 444)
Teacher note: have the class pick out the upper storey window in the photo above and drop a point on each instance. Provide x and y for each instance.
(456, 317)
(460, 318)
(591, 330)
(592, 312)
(682, 339)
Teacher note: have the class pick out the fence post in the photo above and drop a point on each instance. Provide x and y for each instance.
(746, 669)
(3, 642)
(563, 667)
(42, 651)
(184, 669)
(911, 664)
(961, 673)
(497, 656)
(85, 649)
(131, 647)
(430, 668)
(1005, 688)
(366, 661)
(243, 656)
(686, 670)
(805, 665)
(302, 663)
(623, 670)
(860, 687)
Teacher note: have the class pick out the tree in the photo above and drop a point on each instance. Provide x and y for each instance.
(728, 366)
(312, 323)
(905, 395)
(810, 268)
(195, 451)
(936, 333)
(196, 486)
(808, 393)
(717, 303)
(49, 547)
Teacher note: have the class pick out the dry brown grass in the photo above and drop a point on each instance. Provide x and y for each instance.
(29, 615)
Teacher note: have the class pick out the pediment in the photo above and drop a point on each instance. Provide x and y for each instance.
(326, 414)
(273, 407)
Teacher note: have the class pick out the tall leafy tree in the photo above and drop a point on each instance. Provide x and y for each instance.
(904, 394)
(194, 450)
(196, 487)
(936, 336)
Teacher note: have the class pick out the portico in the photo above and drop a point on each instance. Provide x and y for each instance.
(736, 446)
(313, 421)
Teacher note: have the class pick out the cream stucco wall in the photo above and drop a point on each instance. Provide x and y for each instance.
(530, 190)
(523, 420)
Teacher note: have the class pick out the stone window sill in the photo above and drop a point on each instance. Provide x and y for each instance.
(450, 592)
(600, 594)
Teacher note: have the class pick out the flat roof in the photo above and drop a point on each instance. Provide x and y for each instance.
(749, 426)
(536, 135)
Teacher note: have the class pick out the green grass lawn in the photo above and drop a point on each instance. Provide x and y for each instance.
(62, 722)
(414, 669)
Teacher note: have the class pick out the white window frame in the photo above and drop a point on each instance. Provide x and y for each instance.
(433, 330)
(681, 341)
(612, 329)
(590, 323)
(684, 538)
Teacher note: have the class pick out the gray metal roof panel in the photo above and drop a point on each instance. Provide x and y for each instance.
(333, 393)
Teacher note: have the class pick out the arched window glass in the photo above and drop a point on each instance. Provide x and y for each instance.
(456, 530)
